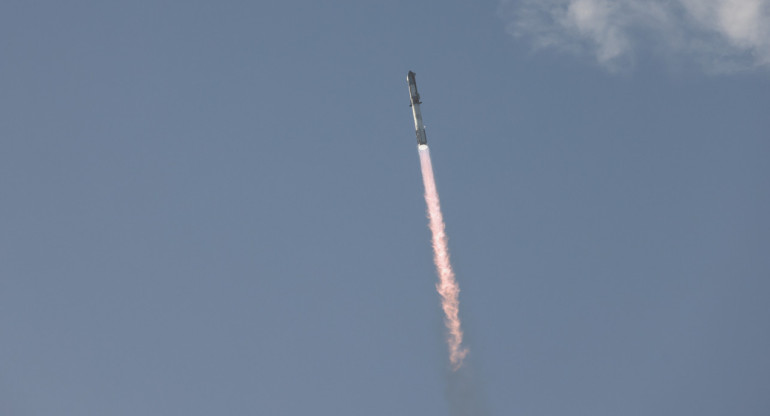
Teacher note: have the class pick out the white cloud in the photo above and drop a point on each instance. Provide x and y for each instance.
(719, 35)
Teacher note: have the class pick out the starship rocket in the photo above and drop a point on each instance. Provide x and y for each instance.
(414, 97)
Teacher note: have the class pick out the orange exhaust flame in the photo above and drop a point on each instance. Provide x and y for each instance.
(447, 286)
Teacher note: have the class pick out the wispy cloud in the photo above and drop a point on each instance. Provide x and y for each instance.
(718, 35)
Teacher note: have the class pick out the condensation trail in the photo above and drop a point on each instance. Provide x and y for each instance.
(447, 286)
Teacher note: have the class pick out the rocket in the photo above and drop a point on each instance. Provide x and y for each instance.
(415, 102)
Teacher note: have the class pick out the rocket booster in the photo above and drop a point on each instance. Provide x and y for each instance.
(415, 102)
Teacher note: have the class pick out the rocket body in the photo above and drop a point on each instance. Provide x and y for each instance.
(414, 98)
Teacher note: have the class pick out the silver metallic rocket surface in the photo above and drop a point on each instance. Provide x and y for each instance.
(414, 98)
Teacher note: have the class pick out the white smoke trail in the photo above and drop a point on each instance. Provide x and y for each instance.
(447, 286)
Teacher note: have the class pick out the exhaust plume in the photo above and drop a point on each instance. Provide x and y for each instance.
(447, 285)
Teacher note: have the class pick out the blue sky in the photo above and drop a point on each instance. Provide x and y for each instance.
(216, 207)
